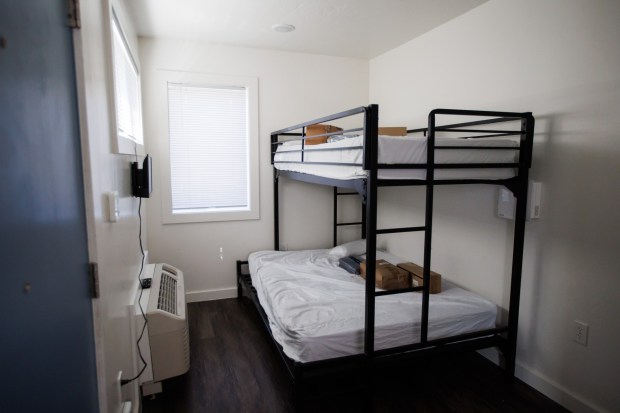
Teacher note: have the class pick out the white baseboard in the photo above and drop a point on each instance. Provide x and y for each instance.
(555, 391)
(208, 295)
(546, 386)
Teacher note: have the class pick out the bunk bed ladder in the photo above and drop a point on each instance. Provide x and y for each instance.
(337, 224)
(371, 165)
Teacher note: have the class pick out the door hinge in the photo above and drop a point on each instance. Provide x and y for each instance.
(93, 275)
(73, 14)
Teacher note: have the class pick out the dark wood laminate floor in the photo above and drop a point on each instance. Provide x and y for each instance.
(235, 368)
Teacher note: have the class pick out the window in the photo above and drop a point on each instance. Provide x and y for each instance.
(126, 92)
(213, 149)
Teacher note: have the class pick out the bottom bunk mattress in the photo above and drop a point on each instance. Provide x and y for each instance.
(316, 309)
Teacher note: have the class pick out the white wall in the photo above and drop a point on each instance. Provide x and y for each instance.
(559, 59)
(293, 87)
(114, 246)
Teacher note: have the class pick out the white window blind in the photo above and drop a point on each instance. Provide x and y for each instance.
(126, 88)
(209, 148)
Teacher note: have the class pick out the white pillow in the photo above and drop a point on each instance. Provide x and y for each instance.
(357, 247)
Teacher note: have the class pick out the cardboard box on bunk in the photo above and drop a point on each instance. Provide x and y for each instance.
(319, 129)
(388, 276)
(417, 276)
(393, 131)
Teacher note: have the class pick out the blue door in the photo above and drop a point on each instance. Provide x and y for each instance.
(47, 352)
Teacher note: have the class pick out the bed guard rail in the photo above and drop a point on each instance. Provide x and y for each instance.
(469, 130)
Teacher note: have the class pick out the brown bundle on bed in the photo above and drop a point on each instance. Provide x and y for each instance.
(393, 130)
(388, 276)
(417, 276)
(319, 129)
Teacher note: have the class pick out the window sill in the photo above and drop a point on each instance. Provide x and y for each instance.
(214, 216)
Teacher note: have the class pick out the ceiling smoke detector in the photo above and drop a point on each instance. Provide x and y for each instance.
(283, 28)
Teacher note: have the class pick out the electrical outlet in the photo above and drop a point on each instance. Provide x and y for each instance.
(221, 253)
(581, 333)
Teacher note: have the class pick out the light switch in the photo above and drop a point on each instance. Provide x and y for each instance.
(113, 211)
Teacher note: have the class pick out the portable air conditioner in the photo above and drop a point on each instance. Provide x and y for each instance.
(165, 344)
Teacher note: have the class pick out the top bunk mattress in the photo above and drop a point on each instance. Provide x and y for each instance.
(316, 309)
(399, 150)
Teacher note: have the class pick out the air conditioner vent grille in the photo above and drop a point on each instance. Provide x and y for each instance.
(167, 300)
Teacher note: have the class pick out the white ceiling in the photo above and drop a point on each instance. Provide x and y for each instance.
(351, 28)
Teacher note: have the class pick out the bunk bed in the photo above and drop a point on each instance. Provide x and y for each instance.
(482, 147)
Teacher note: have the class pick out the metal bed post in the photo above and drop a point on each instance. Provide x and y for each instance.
(335, 241)
(363, 220)
(428, 224)
(371, 139)
(276, 204)
(276, 212)
(370, 164)
(239, 285)
(520, 192)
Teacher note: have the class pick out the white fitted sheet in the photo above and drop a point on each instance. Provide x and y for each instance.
(397, 150)
(316, 309)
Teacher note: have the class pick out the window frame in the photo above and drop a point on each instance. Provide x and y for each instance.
(123, 144)
(203, 79)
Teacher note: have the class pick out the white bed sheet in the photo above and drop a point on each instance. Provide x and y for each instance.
(316, 309)
(395, 150)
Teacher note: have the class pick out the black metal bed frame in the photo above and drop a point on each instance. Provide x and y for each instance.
(504, 337)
